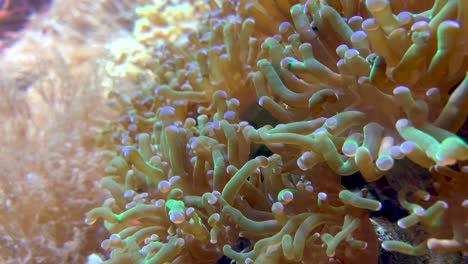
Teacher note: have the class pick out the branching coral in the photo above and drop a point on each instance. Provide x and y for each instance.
(352, 88)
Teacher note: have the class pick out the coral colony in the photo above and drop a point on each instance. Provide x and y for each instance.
(349, 87)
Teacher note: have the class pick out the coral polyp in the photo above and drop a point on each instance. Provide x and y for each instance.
(350, 87)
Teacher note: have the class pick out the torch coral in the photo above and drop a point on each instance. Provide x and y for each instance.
(351, 88)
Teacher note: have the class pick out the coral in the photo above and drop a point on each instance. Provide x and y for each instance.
(48, 166)
(350, 87)
(157, 23)
(50, 86)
